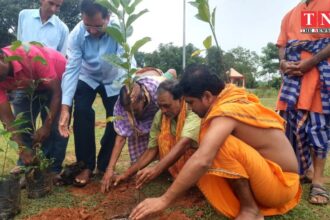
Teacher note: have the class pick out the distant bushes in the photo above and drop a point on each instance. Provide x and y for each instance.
(265, 92)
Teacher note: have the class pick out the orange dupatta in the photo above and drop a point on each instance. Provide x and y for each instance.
(166, 140)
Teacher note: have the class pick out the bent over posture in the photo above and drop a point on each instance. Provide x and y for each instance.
(245, 165)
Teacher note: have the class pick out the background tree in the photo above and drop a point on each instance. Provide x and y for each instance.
(9, 16)
(169, 56)
(270, 65)
(139, 57)
(244, 61)
(214, 59)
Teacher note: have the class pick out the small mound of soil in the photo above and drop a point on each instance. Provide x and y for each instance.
(117, 204)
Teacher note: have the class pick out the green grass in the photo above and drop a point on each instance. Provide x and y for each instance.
(62, 198)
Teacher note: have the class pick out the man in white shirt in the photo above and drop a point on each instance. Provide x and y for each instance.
(43, 25)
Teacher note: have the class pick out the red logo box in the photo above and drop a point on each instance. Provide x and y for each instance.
(313, 19)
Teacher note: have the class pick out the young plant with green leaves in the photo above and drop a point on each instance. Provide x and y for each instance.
(39, 160)
(204, 14)
(8, 143)
(125, 10)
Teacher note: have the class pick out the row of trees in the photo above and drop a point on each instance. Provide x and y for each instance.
(258, 70)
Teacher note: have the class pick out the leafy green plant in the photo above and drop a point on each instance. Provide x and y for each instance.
(8, 142)
(39, 160)
(204, 14)
(125, 11)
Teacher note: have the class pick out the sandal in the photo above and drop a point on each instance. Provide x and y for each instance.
(316, 192)
(83, 178)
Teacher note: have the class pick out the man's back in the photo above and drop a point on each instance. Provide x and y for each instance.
(271, 143)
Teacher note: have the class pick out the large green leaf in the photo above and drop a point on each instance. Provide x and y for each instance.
(131, 8)
(16, 44)
(11, 160)
(13, 58)
(39, 59)
(115, 34)
(124, 4)
(108, 5)
(204, 11)
(213, 17)
(126, 47)
(132, 71)
(3, 132)
(13, 144)
(194, 4)
(133, 17)
(129, 31)
(138, 44)
(207, 42)
(116, 3)
(114, 60)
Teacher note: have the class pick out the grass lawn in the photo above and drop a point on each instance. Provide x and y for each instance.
(61, 197)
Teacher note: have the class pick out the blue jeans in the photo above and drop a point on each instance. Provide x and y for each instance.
(55, 145)
(84, 126)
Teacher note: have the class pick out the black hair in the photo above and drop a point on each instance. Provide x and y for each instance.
(171, 86)
(197, 79)
(124, 98)
(91, 8)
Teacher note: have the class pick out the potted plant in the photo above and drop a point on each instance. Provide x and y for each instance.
(38, 176)
(10, 194)
(39, 179)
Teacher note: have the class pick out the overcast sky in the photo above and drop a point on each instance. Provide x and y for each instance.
(247, 23)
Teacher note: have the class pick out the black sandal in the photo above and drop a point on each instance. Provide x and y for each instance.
(318, 190)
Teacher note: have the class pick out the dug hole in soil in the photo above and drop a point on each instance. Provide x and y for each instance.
(116, 204)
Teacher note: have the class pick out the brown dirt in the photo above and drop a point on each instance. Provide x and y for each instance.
(90, 189)
(117, 204)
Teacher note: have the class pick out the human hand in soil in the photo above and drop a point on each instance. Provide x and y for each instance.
(119, 178)
(146, 175)
(149, 207)
(63, 125)
(107, 180)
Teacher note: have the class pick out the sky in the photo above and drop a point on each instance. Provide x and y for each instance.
(247, 23)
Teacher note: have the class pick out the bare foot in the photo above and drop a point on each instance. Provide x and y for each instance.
(249, 214)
